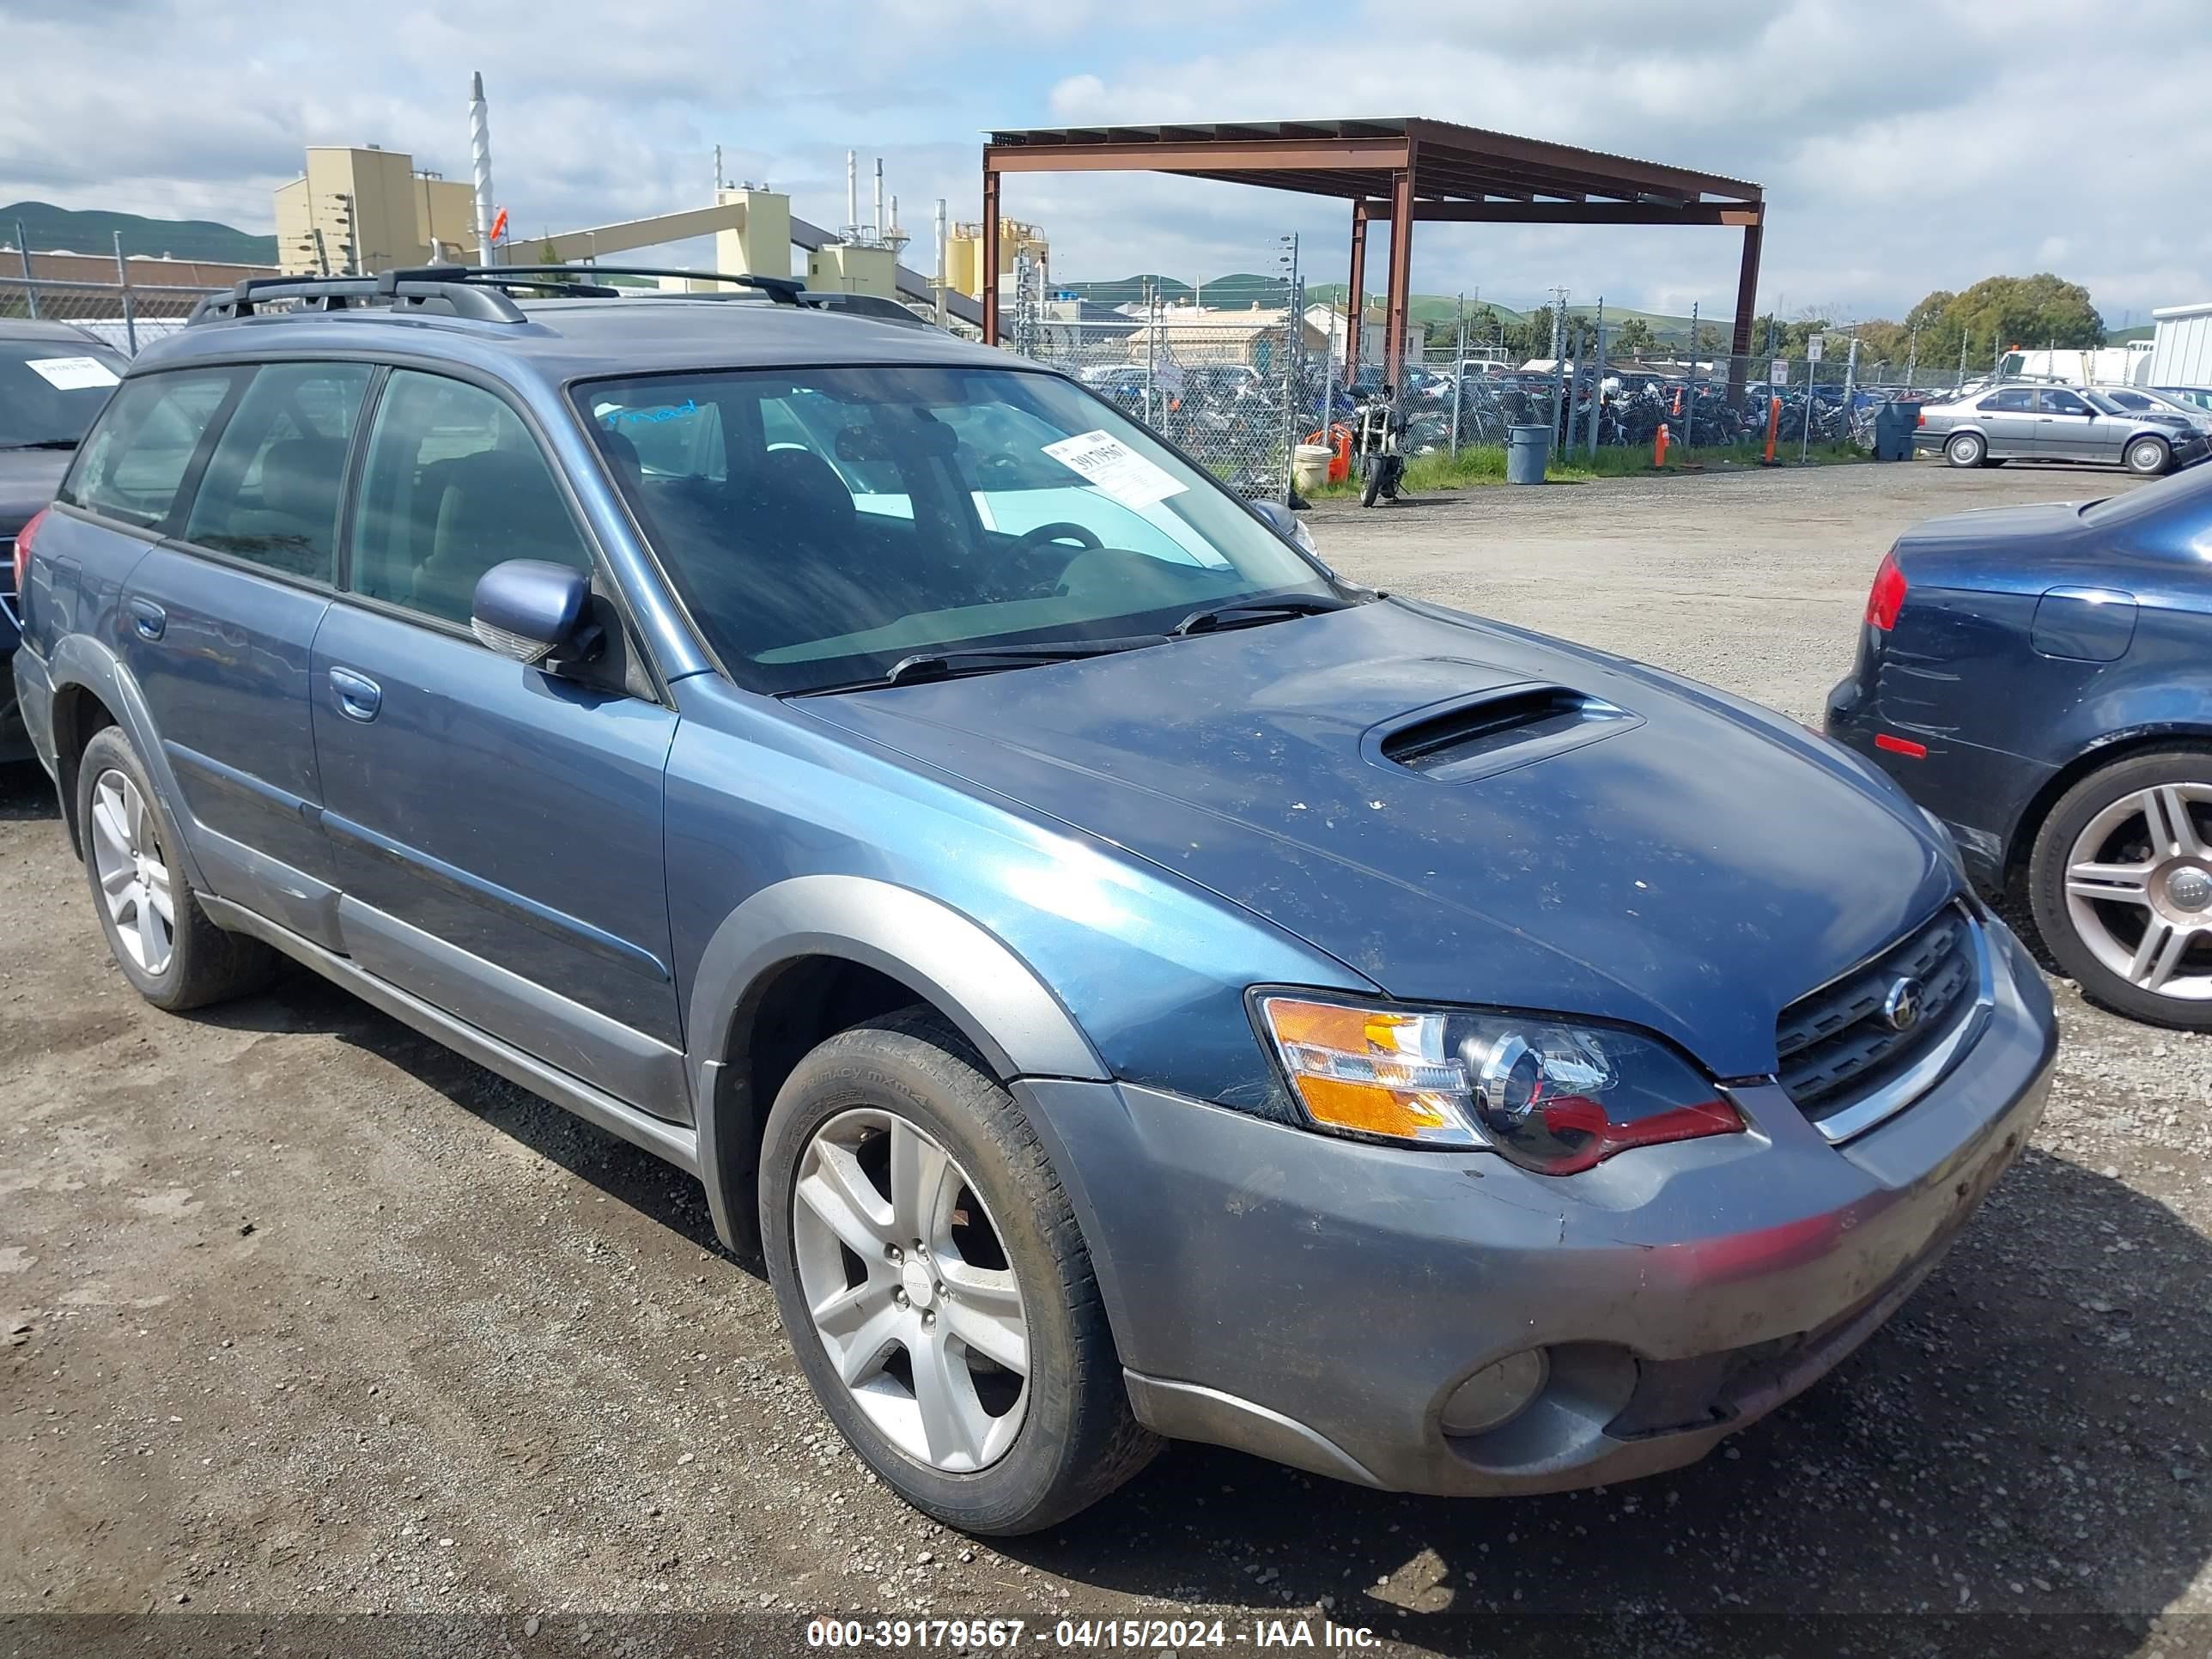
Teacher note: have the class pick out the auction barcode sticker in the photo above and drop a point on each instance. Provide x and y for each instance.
(1112, 466)
(71, 374)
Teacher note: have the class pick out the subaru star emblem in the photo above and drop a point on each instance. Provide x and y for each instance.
(1901, 1007)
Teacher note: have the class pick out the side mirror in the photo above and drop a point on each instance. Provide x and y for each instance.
(1276, 517)
(529, 610)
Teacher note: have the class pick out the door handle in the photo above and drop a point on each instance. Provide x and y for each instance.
(359, 696)
(149, 619)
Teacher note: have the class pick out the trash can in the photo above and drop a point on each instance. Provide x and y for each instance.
(1309, 467)
(1893, 426)
(1528, 448)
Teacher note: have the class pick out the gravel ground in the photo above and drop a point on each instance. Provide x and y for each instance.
(304, 1315)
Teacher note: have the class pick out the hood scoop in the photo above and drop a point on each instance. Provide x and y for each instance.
(1494, 730)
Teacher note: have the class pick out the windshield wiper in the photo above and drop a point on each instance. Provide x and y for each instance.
(1255, 611)
(991, 659)
(45, 443)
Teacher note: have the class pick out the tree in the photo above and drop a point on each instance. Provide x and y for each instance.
(1999, 312)
(1633, 338)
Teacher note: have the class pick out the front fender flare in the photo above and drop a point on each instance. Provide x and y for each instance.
(996, 999)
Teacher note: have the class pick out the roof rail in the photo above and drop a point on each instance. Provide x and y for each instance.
(431, 289)
(481, 292)
(784, 290)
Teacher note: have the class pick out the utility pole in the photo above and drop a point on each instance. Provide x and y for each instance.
(1597, 372)
(1559, 341)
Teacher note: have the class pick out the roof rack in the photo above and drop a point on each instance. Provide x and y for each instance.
(479, 292)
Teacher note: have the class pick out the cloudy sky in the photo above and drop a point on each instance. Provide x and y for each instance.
(1904, 144)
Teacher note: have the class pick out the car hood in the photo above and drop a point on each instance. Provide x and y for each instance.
(28, 478)
(1692, 869)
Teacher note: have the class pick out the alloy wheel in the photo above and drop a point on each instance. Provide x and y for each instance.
(134, 876)
(906, 1282)
(2139, 888)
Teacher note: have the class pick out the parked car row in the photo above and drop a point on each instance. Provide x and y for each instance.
(54, 379)
(1117, 979)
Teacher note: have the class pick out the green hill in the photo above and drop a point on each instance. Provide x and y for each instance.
(47, 229)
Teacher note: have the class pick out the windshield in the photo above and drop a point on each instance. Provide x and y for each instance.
(50, 390)
(824, 524)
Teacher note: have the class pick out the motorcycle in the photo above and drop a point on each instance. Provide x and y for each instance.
(1378, 434)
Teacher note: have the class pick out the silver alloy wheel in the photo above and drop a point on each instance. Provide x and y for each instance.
(134, 876)
(906, 1278)
(1967, 449)
(2148, 455)
(2139, 888)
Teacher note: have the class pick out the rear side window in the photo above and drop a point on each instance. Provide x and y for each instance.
(130, 466)
(454, 485)
(271, 490)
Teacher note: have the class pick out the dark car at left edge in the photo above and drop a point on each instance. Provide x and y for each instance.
(54, 378)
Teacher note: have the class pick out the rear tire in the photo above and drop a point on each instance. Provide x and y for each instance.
(1965, 449)
(178, 961)
(2128, 832)
(996, 1253)
(2148, 456)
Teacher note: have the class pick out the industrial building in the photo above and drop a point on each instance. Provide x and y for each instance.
(964, 254)
(369, 209)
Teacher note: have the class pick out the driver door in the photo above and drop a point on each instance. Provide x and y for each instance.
(2067, 429)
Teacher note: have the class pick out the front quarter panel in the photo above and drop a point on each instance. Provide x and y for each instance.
(1057, 955)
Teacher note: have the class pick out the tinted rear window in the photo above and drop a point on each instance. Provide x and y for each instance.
(135, 458)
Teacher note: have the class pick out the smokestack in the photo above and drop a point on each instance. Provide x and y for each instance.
(881, 227)
(852, 194)
(942, 252)
(480, 154)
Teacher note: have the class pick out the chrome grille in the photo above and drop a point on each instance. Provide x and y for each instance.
(1837, 1045)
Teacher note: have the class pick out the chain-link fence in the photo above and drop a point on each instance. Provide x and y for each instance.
(1223, 386)
(126, 317)
(1703, 402)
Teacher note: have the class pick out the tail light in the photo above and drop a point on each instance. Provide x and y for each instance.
(1886, 598)
(1921, 419)
(22, 572)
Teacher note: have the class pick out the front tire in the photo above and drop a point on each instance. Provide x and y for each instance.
(2120, 882)
(1965, 449)
(934, 1285)
(2148, 456)
(167, 948)
(1374, 485)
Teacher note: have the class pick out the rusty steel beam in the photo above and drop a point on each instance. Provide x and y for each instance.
(1747, 307)
(1401, 274)
(1585, 213)
(990, 253)
(1207, 156)
(1356, 302)
(1533, 154)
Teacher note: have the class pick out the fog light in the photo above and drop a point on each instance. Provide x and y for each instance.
(1496, 1394)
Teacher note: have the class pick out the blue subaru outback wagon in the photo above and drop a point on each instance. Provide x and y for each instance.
(1120, 981)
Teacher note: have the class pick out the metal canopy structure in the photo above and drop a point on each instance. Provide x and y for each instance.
(1399, 171)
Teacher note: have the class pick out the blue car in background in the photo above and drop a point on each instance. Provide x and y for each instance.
(2040, 678)
(1118, 980)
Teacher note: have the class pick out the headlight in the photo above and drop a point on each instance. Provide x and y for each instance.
(1552, 1096)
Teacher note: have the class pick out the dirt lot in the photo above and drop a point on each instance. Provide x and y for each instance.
(303, 1314)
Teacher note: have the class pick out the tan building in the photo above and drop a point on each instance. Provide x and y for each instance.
(375, 211)
(1192, 337)
(964, 254)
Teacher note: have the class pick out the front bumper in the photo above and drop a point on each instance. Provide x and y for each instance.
(1315, 1301)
